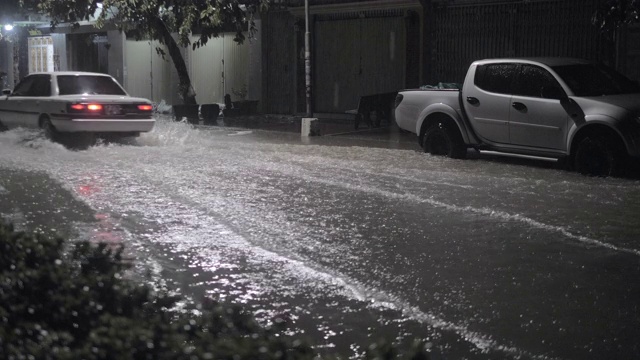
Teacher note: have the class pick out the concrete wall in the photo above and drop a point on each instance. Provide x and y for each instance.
(148, 74)
(145, 73)
(219, 67)
(116, 43)
(6, 64)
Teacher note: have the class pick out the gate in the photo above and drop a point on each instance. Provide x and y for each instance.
(465, 33)
(357, 54)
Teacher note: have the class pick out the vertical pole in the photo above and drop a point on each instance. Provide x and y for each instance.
(151, 71)
(428, 18)
(307, 58)
(224, 80)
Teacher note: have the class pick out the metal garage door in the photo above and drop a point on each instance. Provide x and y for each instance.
(357, 56)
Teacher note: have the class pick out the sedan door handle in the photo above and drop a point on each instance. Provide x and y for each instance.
(519, 106)
(473, 101)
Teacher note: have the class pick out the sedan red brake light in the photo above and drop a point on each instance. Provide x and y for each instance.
(86, 108)
(145, 107)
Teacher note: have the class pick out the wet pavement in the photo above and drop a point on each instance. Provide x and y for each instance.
(354, 237)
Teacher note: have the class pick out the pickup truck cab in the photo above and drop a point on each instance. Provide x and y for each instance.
(561, 108)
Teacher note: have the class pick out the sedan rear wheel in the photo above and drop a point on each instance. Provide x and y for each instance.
(50, 132)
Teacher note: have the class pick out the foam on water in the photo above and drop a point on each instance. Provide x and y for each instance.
(191, 185)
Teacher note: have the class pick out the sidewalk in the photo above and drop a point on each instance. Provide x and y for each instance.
(328, 127)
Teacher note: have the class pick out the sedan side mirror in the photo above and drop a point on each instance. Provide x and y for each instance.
(6, 92)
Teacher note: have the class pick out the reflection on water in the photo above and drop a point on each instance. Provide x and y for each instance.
(350, 243)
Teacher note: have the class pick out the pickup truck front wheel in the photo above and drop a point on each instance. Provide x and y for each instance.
(441, 139)
(599, 155)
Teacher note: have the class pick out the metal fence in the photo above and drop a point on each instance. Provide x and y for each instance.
(464, 33)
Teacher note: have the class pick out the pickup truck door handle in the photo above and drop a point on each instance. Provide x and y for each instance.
(473, 101)
(519, 106)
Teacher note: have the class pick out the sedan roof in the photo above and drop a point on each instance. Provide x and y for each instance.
(72, 73)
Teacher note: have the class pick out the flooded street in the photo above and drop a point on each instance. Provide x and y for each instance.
(482, 259)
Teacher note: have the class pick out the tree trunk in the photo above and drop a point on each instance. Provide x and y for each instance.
(186, 91)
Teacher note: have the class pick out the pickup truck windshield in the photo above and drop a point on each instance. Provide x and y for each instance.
(595, 80)
(88, 85)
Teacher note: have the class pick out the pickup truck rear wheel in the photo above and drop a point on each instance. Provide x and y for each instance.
(599, 155)
(441, 139)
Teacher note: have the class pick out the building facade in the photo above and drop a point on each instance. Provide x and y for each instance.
(357, 48)
(366, 47)
(216, 69)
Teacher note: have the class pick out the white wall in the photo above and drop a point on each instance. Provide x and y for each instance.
(6, 64)
(206, 68)
(148, 75)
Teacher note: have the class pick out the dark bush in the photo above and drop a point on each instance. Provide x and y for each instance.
(58, 303)
(70, 301)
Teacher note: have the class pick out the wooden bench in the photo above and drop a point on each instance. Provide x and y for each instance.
(373, 108)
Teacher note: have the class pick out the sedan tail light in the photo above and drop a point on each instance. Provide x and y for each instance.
(109, 109)
(85, 108)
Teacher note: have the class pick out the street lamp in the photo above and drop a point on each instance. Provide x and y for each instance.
(8, 27)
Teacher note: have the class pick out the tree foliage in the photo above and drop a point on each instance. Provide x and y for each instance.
(75, 303)
(613, 14)
(61, 300)
(159, 19)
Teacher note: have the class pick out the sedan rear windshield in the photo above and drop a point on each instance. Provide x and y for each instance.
(595, 80)
(88, 85)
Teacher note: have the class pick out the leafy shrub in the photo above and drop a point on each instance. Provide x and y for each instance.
(58, 303)
(71, 301)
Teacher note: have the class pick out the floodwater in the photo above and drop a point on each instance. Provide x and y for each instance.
(479, 258)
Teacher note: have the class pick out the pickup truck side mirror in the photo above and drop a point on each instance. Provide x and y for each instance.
(6, 92)
(552, 92)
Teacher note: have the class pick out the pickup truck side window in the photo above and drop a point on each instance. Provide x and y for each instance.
(534, 81)
(497, 78)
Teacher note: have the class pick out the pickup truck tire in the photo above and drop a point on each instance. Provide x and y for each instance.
(599, 155)
(441, 139)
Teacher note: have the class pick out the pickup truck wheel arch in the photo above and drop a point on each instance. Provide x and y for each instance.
(598, 152)
(442, 138)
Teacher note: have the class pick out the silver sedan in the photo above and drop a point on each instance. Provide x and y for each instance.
(75, 103)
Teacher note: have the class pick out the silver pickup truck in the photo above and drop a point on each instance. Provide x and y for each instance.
(583, 113)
